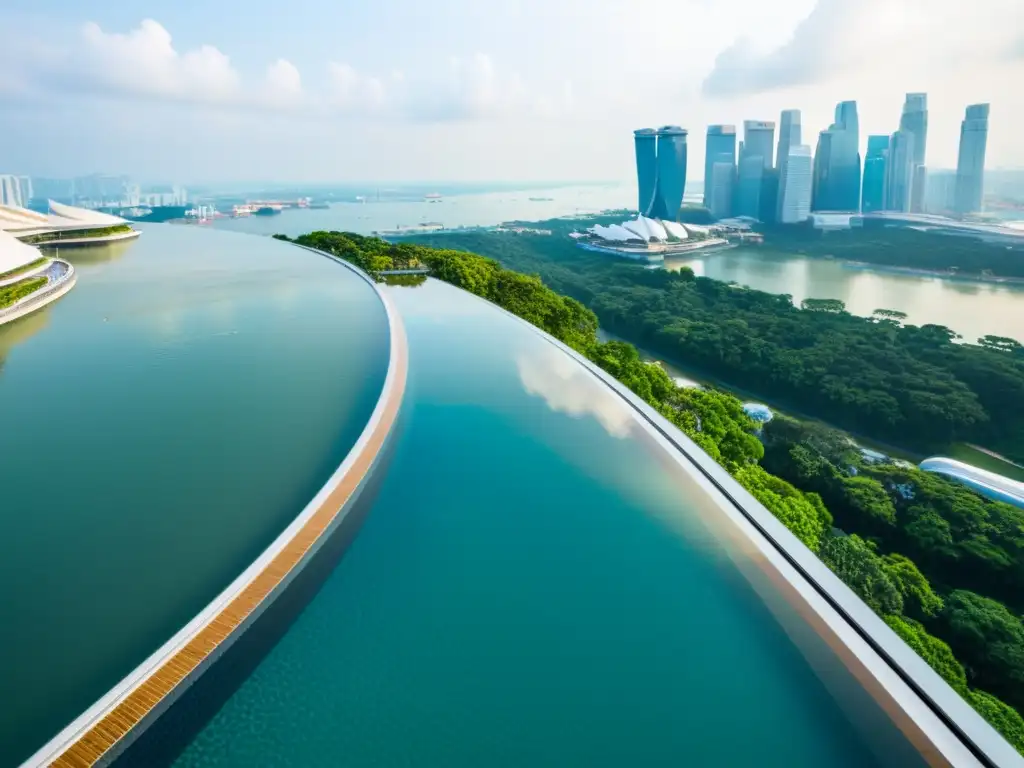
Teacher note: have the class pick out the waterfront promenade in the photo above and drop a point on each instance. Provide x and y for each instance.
(61, 277)
(110, 725)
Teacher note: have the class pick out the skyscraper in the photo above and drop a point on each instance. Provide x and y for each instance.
(789, 136)
(795, 185)
(836, 184)
(846, 157)
(940, 193)
(970, 165)
(873, 197)
(671, 172)
(748, 186)
(723, 183)
(645, 141)
(821, 181)
(25, 188)
(720, 147)
(759, 141)
(914, 121)
(899, 179)
(10, 190)
(757, 155)
(660, 170)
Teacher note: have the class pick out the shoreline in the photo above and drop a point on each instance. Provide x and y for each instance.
(942, 274)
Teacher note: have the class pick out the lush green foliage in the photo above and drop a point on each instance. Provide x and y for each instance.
(76, 234)
(908, 385)
(368, 253)
(19, 290)
(891, 508)
(24, 268)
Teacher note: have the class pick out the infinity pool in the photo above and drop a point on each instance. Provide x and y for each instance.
(162, 423)
(532, 587)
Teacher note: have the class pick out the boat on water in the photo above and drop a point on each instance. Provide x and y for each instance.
(266, 210)
(318, 206)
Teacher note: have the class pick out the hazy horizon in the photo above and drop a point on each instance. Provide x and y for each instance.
(534, 91)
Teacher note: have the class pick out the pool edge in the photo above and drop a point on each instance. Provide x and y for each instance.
(117, 719)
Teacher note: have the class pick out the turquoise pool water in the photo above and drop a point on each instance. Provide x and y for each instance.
(162, 423)
(531, 588)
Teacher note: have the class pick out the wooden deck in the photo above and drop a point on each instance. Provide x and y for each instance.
(144, 701)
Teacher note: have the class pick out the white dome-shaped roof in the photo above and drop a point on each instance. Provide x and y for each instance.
(14, 253)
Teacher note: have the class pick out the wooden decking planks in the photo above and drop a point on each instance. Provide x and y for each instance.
(91, 746)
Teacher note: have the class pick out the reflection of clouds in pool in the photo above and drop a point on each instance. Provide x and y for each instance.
(566, 387)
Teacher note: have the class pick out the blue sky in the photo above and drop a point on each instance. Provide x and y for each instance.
(405, 90)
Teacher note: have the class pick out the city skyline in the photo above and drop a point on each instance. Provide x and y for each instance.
(532, 90)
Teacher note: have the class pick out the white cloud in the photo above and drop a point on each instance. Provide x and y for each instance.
(144, 62)
(284, 84)
(567, 387)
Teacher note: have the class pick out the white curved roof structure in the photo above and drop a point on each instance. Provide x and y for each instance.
(646, 229)
(85, 216)
(614, 232)
(14, 253)
(676, 230)
(22, 222)
(984, 482)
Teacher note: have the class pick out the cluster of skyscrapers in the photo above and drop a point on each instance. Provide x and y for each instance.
(785, 182)
(96, 190)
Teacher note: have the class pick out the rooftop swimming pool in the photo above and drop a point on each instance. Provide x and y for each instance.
(542, 572)
(161, 425)
(534, 586)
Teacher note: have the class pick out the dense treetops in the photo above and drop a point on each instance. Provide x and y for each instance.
(908, 385)
(900, 530)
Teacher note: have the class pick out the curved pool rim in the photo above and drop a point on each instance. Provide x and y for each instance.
(934, 718)
(117, 719)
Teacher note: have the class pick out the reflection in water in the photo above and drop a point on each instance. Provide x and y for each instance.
(93, 254)
(13, 333)
(971, 308)
(405, 281)
(568, 388)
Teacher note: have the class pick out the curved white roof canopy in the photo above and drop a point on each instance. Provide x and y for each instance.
(676, 230)
(614, 232)
(22, 221)
(646, 229)
(14, 253)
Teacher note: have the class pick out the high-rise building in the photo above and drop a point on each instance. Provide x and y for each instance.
(795, 185)
(846, 157)
(25, 188)
(720, 147)
(10, 190)
(899, 179)
(789, 136)
(757, 154)
(759, 141)
(821, 181)
(940, 192)
(873, 195)
(661, 171)
(646, 142)
(913, 121)
(723, 182)
(970, 166)
(836, 183)
(671, 172)
(748, 186)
